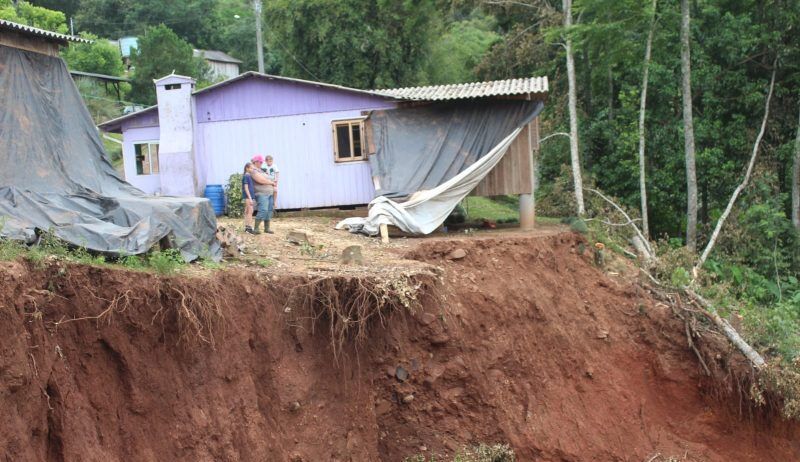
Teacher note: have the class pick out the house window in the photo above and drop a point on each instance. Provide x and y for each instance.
(172, 86)
(146, 158)
(348, 136)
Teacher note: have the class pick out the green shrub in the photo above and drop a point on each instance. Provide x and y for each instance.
(165, 261)
(579, 226)
(10, 249)
(233, 195)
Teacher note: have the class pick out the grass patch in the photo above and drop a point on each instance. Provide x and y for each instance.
(500, 210)
(265, 262)
(49, 247)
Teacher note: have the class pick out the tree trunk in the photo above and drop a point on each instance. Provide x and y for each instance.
(744, 182)
(688, 131)
(796, 180)
(573, 111)
(642, 106)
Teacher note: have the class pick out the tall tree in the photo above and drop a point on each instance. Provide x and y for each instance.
(642, 107)
(573, 110)
(796, 180)
(68, 7)
(688, 129)
(100, 56)
(160, 53)
(376, 44)
(36, 16)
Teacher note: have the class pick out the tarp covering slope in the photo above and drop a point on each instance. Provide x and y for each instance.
(54, 174)
(443, 152)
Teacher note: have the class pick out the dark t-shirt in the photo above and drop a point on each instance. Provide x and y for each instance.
(247, 184)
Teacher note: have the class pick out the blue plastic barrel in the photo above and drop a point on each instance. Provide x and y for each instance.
(216, 195)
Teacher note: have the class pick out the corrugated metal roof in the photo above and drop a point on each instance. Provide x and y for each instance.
(110, 78)
(430, 93)
(470, 90)
(216, 55)
(41, 32)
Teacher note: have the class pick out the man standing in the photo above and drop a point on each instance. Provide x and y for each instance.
(271, 169)
(265, 188)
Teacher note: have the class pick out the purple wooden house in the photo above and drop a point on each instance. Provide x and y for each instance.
(315, 132)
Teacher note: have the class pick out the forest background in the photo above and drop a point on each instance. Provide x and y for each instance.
(732, 49)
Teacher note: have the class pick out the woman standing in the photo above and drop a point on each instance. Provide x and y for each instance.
(248, 197)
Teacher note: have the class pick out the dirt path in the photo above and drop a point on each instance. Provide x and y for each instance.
(520, 340)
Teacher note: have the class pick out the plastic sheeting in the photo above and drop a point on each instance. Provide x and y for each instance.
(55, 175)
(444, 152)
(420, 148)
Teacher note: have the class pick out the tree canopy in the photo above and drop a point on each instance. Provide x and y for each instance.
(100, 56)
(31, 15)
(161, 52)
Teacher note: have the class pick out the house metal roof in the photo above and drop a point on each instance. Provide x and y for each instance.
(261, 76)
(216, 55)
(511, 87)
(470, 90)
(4, 24)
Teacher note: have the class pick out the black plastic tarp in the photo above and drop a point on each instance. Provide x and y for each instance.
(419, 148)
(55, 175)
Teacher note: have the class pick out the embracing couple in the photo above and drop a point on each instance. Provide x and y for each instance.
(259, 187)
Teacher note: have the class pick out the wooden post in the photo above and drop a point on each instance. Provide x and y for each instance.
(385, 233)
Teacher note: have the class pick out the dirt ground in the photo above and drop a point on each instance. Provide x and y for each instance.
(513, 337)
(276, 254)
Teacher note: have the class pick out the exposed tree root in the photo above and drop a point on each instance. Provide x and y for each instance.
(348, 305)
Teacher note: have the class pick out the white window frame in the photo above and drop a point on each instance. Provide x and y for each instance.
(148, 157)
(353, 157)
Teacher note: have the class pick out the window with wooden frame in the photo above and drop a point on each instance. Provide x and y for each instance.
(348, 140)
(146, 158)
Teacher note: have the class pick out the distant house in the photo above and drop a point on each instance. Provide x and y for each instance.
(315, 131)
(223, 66)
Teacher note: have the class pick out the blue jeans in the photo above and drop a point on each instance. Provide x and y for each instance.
(265, 206)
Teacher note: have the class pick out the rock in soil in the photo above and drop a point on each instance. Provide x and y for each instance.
(352, 256)
(457, 254)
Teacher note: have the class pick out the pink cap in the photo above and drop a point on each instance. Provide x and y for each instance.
(257, 158)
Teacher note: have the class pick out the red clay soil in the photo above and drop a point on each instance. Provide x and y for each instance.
(523, 341)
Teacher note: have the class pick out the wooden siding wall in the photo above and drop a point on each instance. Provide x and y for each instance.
(36, 44)
(513, 174)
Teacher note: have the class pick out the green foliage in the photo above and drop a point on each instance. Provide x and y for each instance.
(101, 105)
(579, 226)
(455, 55)
(10, 250)
(495, 209)
(99, 57)
(35, 16)
(265, 262)
(165, 261)
(190, 19)
(160, 53)
(376, 44)
(233, 196)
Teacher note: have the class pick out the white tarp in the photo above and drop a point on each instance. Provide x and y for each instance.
(426, 210)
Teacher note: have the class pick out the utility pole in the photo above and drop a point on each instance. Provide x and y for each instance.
(259, 40)
(71, 27)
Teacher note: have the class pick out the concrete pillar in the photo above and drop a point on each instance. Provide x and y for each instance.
(527, 211)
(527, 202)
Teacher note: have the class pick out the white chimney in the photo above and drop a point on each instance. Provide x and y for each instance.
(176, 125)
